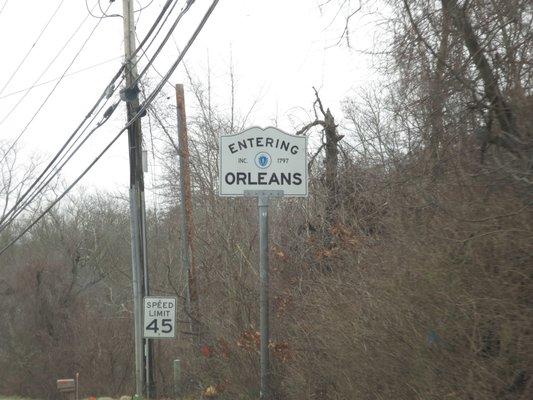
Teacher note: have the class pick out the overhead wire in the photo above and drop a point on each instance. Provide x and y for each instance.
(141, 48)
(20, 202)
(140, 10)
(144, 54)
(52, 174)
(200, 26)
(20, 100)
(154, 68)
(104, 13)
(32, 46)
(162, 13)
(43, 103)
(165, 40)
(4, 6)
(63, 152)
(141, 110)
(57, 78)
(151, 59)
(143, 7)
(13, 213)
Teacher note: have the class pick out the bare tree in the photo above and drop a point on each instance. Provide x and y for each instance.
(330, 142)
(14, 180)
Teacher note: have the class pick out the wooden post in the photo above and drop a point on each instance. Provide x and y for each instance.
(186, 221)
(177, 379)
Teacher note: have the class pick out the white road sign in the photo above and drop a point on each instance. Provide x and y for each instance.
(263, 159)
(159, 317)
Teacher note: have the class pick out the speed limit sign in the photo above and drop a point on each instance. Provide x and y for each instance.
(159, 317)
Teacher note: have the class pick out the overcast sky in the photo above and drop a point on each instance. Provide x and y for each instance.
(279, 50)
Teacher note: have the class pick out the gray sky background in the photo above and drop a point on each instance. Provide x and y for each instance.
(279, 50)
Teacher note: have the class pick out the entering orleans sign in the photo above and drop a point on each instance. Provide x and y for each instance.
(263, 160)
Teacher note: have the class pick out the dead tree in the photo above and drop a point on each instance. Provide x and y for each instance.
(330, 143)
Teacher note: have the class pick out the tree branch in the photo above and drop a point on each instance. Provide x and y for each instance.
(309, 126)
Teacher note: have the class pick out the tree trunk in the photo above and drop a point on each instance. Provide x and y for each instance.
(332, 162)
(502, 110)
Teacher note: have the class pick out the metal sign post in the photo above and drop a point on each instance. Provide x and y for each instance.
(263, 200)
(263, 295)
(263, 163)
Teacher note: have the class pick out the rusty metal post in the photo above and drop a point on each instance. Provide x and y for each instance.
(186, 221)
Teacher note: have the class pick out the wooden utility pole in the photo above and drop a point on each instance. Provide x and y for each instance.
(186, 223)
(143, 347)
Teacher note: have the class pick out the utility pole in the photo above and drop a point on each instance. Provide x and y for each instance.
(144, 371)
(186, 222)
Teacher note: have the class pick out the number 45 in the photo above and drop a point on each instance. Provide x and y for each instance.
(167, 327)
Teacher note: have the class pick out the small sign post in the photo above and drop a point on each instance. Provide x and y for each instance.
(263, 163)
(159, 317)
(67, 388)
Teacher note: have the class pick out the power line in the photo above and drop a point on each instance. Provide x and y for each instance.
(21, 204)
(14, 212)
(4, 6)
(105, 93)
(104, 13)
(143, 7)
(154, 25)
(45, 70)
(50, 93)
(69, 188)
(32, 46)
(140, 10)
(59, 157)
(57, 78)
(53, 174)
(152, 41)
(165, 40)
(145, 39)
(181, 55)
(151, 59)
(141, 110)
(111, 84)
(139, 48)
(189, 3)
(153, 67)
